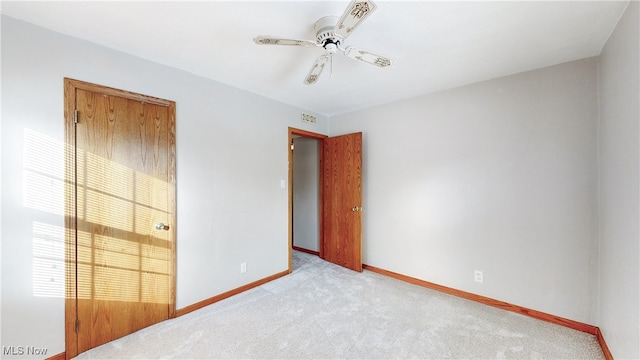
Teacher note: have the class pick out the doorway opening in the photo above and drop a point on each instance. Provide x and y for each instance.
(305, 192)
(339, 194)
(306, 195)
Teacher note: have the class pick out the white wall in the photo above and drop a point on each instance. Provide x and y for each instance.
(619, 147)
(498, 176)
(306, 187)
(231, 156)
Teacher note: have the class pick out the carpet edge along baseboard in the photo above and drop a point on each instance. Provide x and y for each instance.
(576, 325)
(312, 252)
(230, 293)
(603, 345)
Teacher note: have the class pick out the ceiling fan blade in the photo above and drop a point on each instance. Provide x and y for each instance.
(316, 69)
(355, 14)
(368, 57)
(269, 40)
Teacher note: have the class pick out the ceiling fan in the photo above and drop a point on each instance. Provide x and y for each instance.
(331, 31)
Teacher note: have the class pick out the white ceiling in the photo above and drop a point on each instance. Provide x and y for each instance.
(435, 44)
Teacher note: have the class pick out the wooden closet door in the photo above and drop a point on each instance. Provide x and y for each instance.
(123, 219)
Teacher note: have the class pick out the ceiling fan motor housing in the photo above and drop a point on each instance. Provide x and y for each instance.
(325, 34)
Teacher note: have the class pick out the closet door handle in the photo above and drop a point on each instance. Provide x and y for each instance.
(162, 226)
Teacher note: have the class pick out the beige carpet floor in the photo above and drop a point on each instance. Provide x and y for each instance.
(323, 311)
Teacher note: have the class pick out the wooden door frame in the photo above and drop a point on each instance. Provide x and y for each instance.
(70, 87)
(311, 135)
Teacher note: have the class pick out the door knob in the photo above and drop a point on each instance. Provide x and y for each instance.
(162, 226)
(357, 208)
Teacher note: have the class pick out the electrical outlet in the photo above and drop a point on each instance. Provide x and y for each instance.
(478, 276)
(243, 267)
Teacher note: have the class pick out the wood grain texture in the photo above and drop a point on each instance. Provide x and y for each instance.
(121, 269)
(342, 192)
(307, 134)
(230, 293)
(489, 301)
(316, 253)
(77, 84)
(71, 339)
(172, 206)
(603, 345)
(61, 356)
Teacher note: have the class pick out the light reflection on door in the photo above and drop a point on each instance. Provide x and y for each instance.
(143, 267)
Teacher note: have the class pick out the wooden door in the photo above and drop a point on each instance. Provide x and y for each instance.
(342, 200)
(121, 170)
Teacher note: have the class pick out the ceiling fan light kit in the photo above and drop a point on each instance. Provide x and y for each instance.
(330, 32)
